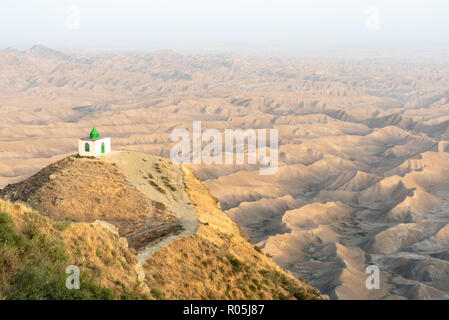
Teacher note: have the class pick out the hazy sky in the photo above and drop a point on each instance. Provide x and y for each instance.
(208, 24)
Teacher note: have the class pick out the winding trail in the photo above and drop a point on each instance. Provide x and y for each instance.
(137, 166)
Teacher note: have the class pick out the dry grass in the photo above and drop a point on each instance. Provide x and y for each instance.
(84, 190)
(95, 248)
(219, 262)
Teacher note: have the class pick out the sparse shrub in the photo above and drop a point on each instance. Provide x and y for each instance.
(158, 188)
(157, 167)
(302, 279)
(207, 262)
(99, 253)
(158, 277)
(130, 294)
(280, 280)
(157, 294)
(282, 296)
(237, 265)
(62, 225)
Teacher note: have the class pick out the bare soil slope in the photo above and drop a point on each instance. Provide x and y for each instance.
(84, 190)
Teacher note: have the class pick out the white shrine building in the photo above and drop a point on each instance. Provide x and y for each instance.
(94, 145)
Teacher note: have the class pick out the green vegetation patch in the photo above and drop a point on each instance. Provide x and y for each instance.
(237, 265)
(32, 266)
(157, 293)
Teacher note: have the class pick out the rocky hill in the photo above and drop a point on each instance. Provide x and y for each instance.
(137, 226)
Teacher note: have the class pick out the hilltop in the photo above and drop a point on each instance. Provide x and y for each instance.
(137, 226)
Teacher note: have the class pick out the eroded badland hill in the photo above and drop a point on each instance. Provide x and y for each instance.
(363, 173)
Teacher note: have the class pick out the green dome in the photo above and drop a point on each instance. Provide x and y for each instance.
(94, 134)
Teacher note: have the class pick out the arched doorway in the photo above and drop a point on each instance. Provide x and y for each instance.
(102, 147)
(86, 147)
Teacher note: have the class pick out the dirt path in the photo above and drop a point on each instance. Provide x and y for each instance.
(137, 167)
